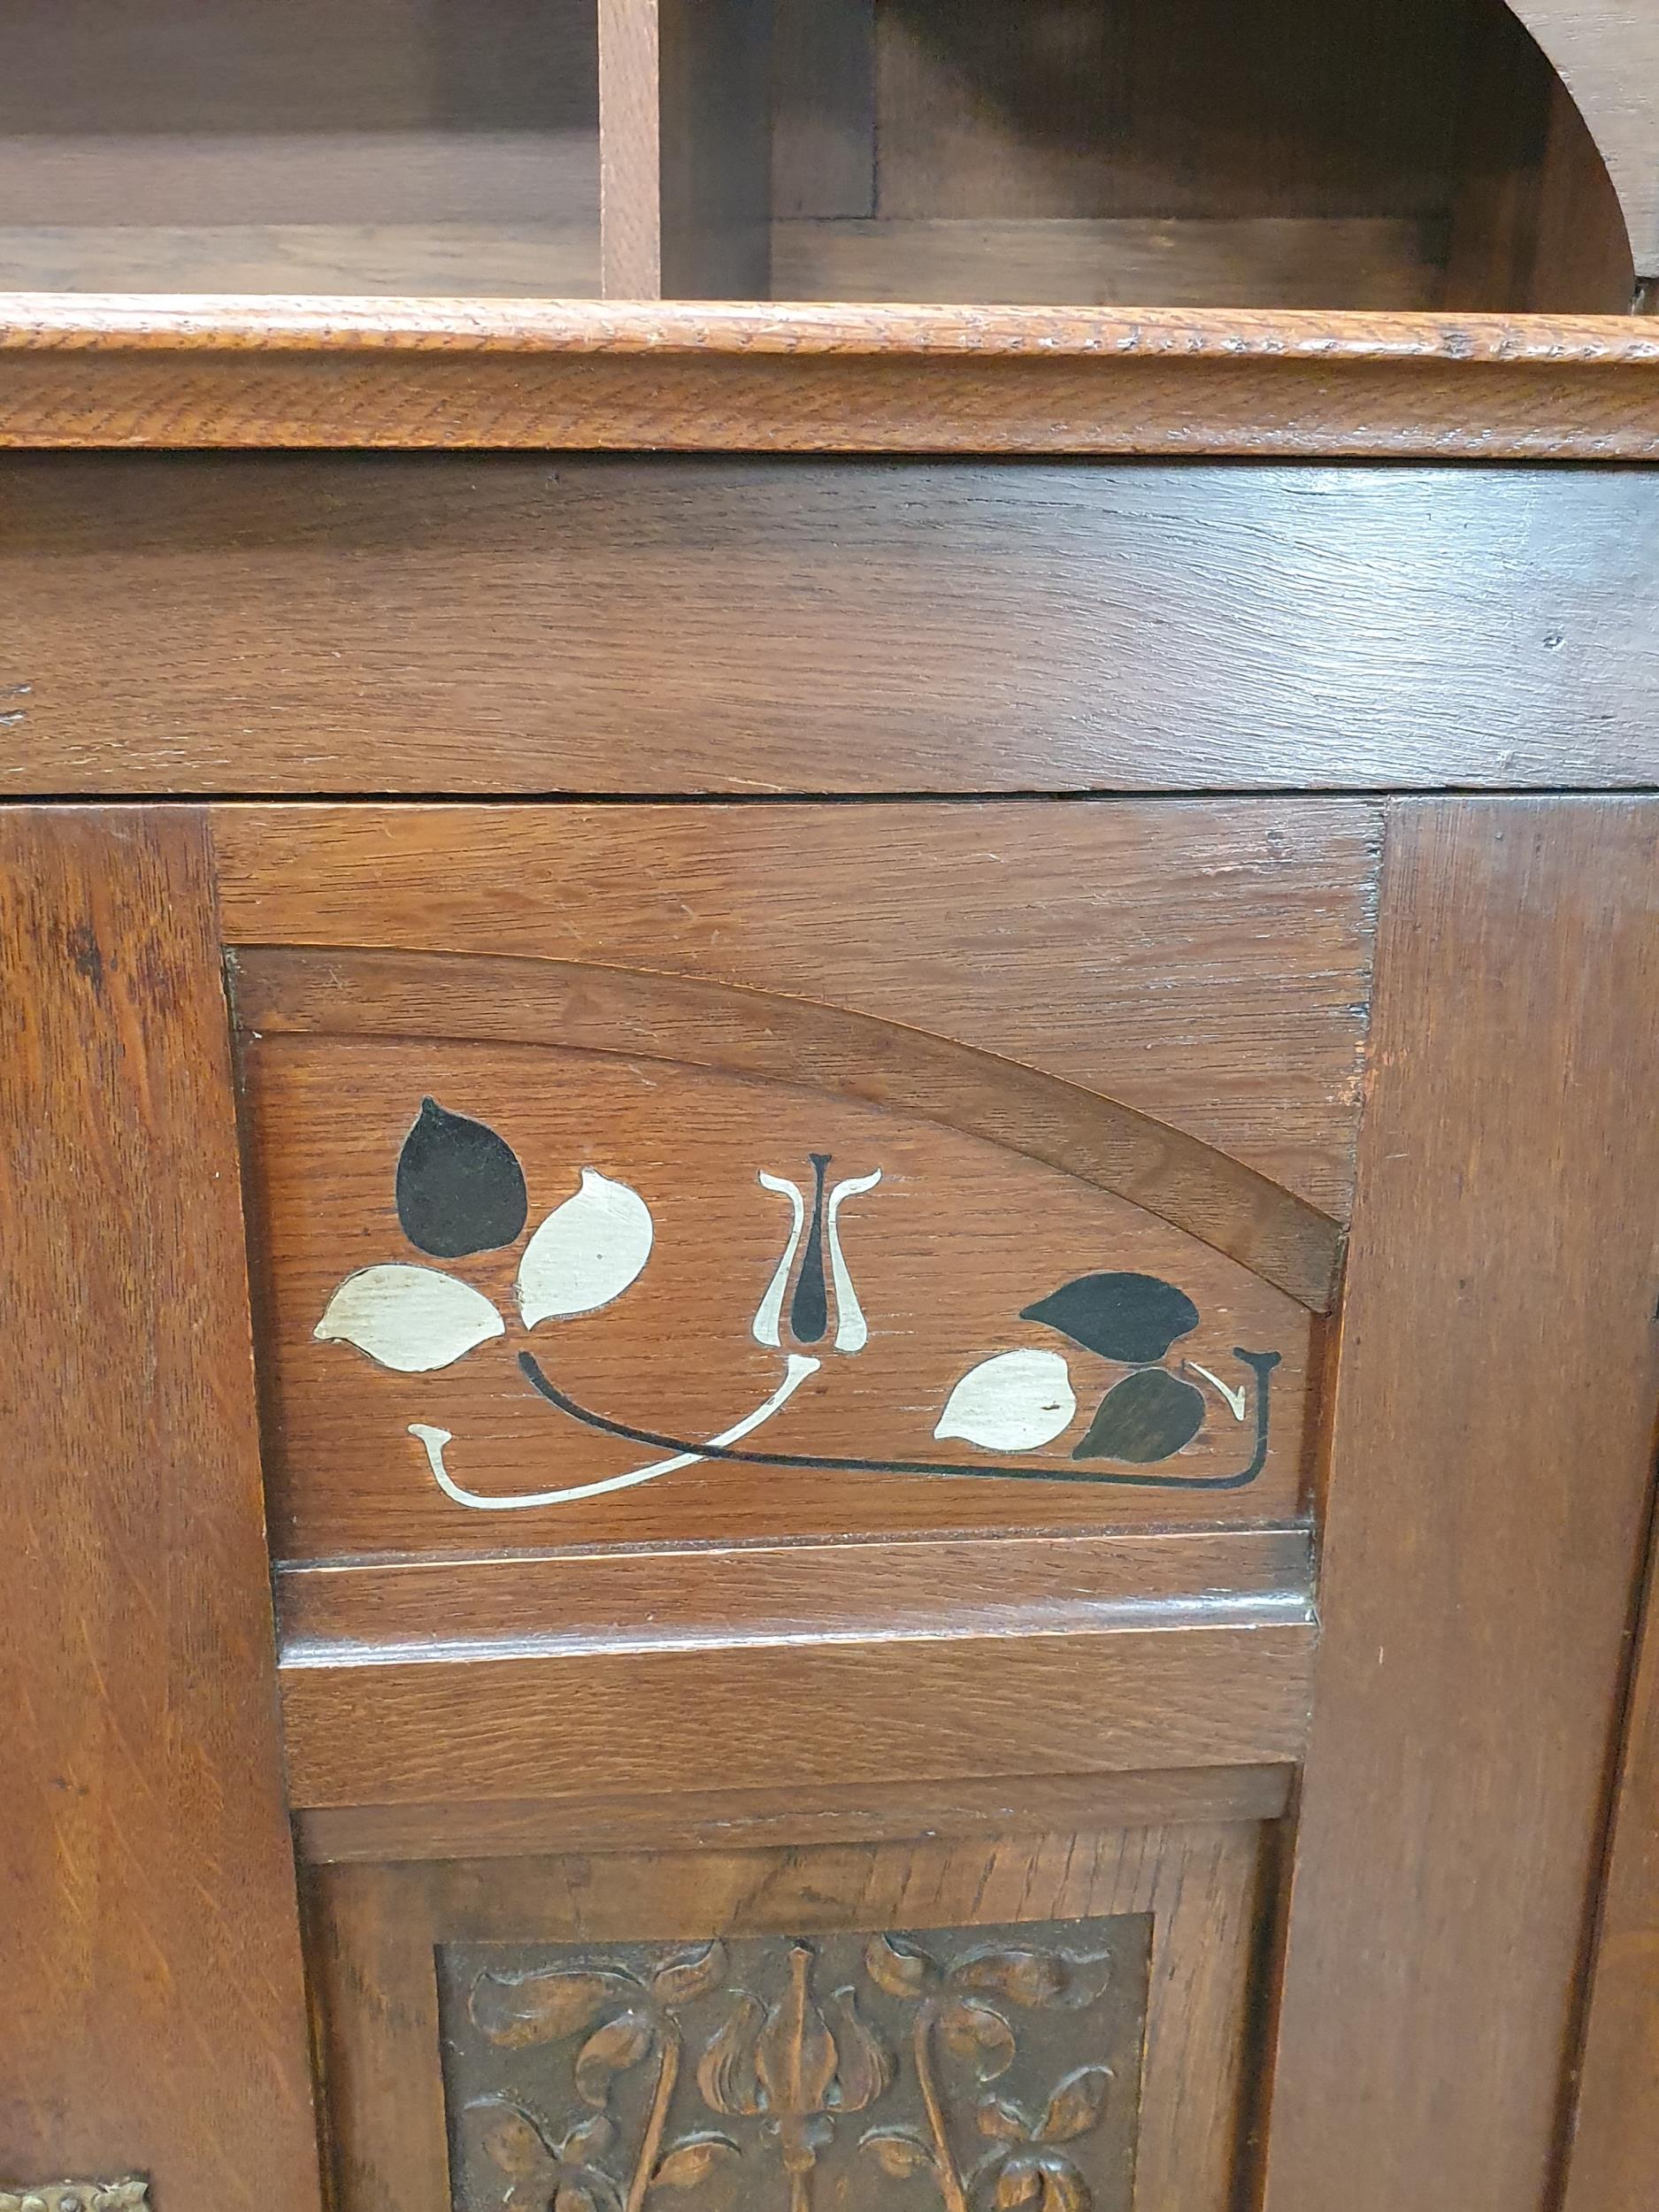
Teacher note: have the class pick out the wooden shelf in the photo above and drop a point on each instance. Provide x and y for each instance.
(1267, 154)
(1266, 262)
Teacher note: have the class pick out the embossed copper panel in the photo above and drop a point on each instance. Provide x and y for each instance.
(966, 2067)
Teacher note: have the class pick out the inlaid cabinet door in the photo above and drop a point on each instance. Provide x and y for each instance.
(806, 1354)
(954, 1489)
(793, 1344)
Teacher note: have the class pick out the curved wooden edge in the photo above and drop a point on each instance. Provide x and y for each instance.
(723, 1026)
(229, 322)
(125, 372)
(1606, 52)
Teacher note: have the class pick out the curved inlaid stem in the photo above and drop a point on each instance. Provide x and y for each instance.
(684, 1454)
(1263, 1363)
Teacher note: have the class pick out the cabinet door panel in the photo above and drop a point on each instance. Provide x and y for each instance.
(1055, 2016)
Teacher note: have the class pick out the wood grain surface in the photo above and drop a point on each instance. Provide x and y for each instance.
(944, 1262)
(1615, 2145)
(1491, 1459)
(1608, 55)
(707, 1820)
(744, 1594)
(377, 1928)
(244, 624)
(411, 1728)
(692, 1023)
(1208, 965)
(154, 2017)
(123, 370)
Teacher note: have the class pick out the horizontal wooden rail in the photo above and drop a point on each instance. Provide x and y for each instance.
(126, 370)
(817, 1667)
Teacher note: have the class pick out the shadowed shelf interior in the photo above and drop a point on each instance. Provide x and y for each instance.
(1207, 153)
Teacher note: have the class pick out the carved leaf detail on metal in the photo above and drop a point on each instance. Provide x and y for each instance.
(1044, 2180)
(513, 2142)
(460, 1188)
(900, 1968)
(621, 2043)
(1076, 2106)
(728, 2075)
(898, 2153)
(691, 1975)
(979, 2036)
(1001, 2119)
(689, 2162)
(1030, 1978)
(516, 2009)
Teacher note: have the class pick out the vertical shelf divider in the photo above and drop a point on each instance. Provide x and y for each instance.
(685, 148)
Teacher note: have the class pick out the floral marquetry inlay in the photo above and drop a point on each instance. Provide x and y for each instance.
(1116, 1335)
(967, 2068)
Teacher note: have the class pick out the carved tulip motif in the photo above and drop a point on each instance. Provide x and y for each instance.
(978, 2069)
(786, 2066)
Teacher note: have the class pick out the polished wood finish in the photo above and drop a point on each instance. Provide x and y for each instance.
(154, 2018)
(763, 1593)
(377, 1928)
(1219, 1686)
(965, 627)
(1490, 1462)
(880, 1813)
(139, 135)
(582, 1007)
(1306, 154)
(945, 1258)
(1614, 2144)
(1383, 261)
(1208, 965)
(119, 372)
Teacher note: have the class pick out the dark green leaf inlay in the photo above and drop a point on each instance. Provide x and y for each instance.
(460, 1188)
(1134, 1318)
(1147, 1416)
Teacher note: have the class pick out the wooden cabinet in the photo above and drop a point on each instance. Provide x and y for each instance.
(955, 1489)
(829, 1130)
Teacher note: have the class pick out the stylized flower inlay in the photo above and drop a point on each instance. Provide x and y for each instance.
(461, 1190)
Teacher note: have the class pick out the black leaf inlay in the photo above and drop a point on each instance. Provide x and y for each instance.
(1147, 1417)
(1134, 1318)
(460, 1188)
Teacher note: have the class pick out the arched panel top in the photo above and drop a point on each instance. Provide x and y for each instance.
(1607, 54)
(1162, 1170)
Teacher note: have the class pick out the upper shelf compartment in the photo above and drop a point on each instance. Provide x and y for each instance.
(1209, 153)
(1202, 153)
(300, 146)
